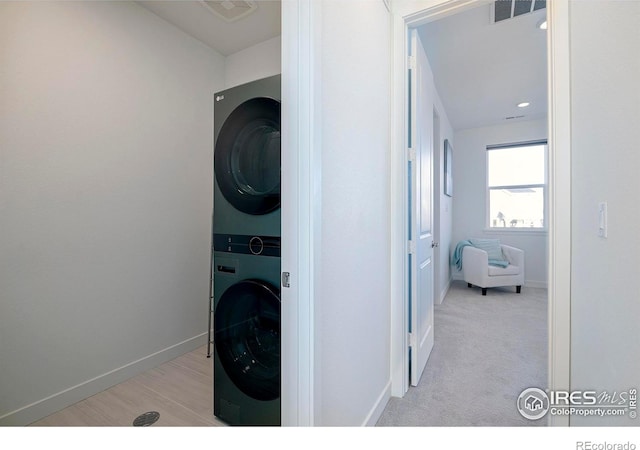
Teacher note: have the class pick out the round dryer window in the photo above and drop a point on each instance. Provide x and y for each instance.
(247, 156)
(247, 338)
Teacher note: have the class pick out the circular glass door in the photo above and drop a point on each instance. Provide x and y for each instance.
(247, 338)
(247, 156)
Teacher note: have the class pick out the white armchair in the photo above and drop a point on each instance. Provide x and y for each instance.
(477, 271)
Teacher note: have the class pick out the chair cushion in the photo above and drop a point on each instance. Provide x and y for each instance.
(495, 271)
(491, 246)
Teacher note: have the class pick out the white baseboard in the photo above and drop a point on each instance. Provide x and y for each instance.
(443, 294)
(378, 407)
(46, 406)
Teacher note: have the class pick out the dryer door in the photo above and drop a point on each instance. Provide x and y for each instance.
(247, 156)
(247, 338)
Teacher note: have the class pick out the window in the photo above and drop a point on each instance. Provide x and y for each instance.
(516, 176)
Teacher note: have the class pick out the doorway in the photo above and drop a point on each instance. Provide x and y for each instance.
(559, 193)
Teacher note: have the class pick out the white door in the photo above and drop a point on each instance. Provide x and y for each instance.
(420, 211)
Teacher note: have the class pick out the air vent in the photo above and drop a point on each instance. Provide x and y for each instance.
(508, 9)
(230, 11)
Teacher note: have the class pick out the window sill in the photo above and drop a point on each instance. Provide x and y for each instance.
(522, 231)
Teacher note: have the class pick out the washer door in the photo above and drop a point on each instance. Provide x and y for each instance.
(247, 156)
(247, 338)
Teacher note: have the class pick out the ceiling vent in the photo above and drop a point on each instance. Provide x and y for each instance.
(508, 9)
(230, 11)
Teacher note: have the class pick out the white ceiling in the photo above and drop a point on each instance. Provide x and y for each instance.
(195, 19)
(483, 70)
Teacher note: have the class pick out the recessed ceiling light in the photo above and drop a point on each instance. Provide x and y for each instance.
(523, 104)
(542, 24)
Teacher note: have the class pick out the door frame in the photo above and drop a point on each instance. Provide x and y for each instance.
(409, 15)
(301, 209)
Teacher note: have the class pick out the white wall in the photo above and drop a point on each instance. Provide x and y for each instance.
(446, 231)
(605, 107)
(259, 61)
(353, 325)
(470, 192)
(105, 198)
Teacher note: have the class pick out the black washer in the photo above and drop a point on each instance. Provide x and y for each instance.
(247, 338)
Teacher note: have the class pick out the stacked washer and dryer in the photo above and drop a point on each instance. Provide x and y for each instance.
(246, 254)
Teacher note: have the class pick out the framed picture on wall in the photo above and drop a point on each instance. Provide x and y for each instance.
(448, 181)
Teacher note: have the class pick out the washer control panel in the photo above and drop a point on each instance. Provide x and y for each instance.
(247, 245)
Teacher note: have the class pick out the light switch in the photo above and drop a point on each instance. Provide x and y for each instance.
(602, 219)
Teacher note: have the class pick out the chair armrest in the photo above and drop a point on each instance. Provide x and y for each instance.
(475, 266)
(514, 255)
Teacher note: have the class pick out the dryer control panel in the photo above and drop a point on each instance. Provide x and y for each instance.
(247, 245)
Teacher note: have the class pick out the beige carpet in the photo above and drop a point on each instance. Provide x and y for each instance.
(487, 350)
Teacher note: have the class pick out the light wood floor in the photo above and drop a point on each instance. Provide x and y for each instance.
(181, 390)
